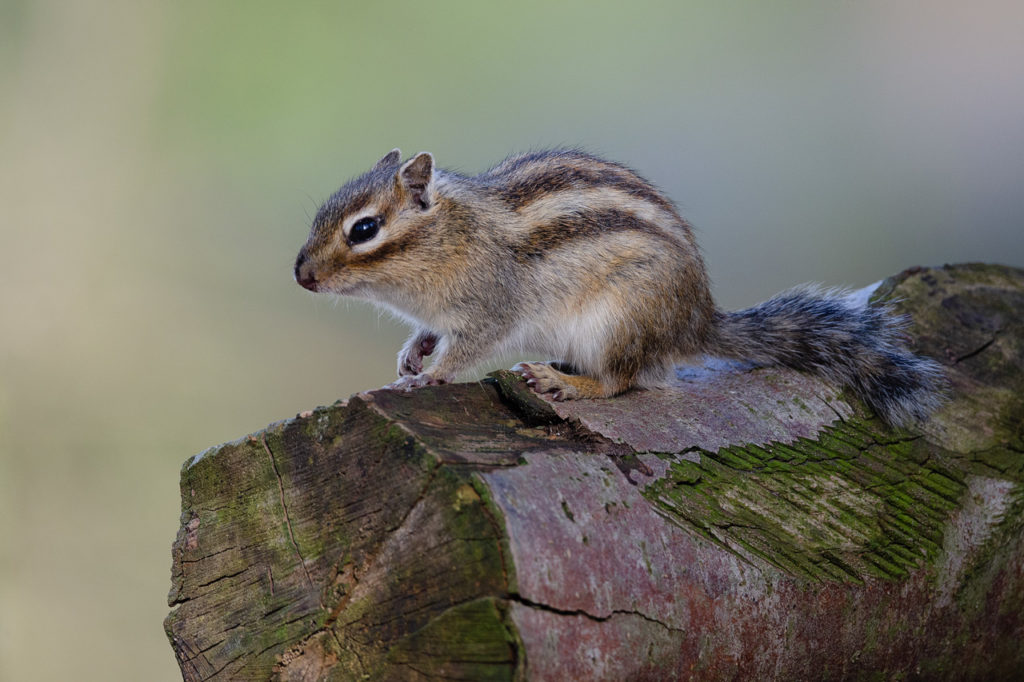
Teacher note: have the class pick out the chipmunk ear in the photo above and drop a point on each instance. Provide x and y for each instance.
(393, 158)
(417, 176)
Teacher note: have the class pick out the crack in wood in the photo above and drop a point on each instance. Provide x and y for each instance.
(287, 521)
(829, 405)
(210, 556)
(419, 499)
(190, 660)
(520, 599)
(224, 577)
(979, 350)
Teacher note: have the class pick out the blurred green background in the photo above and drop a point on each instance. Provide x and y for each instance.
(160, 161)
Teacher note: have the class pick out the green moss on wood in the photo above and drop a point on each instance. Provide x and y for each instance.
(471, 641)
(360, 540)
(840, 508)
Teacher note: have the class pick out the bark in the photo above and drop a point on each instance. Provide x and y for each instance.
(740, 522)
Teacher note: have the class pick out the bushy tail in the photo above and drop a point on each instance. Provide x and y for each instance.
(841, 339)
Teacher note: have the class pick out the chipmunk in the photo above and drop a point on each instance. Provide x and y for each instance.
(563, 253)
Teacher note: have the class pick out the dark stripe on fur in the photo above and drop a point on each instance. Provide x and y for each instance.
(459, 228)
(354, 196)
(524, 179)
(588, 225)
(521, 192)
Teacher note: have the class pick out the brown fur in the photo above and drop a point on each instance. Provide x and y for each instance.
(555, 252)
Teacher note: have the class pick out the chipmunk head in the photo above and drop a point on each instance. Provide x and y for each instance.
(374, 218)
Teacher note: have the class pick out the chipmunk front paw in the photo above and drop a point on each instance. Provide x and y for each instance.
(543, 378)
(410, 359)
(411, 381)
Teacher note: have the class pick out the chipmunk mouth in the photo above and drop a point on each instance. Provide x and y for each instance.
(331, 286)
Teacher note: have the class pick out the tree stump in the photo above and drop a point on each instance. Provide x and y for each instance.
(739, 523)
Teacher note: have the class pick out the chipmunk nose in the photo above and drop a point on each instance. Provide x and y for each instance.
(303, 272)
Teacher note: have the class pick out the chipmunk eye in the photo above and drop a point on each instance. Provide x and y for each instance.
(364, 230)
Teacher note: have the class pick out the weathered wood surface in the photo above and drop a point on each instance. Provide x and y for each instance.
(739, 523)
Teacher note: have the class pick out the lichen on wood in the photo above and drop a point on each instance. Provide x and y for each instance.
(738, 522)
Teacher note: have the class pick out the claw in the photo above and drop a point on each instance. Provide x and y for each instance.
(544, 378)
(409, 382)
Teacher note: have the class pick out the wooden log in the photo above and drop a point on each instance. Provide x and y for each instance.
(740, 523)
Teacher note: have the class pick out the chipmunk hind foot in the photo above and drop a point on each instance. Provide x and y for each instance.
(545, 377)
